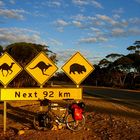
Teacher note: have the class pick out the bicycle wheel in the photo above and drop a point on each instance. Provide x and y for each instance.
(42, 121)
(48, 122)
(38, 121)
(75, 125)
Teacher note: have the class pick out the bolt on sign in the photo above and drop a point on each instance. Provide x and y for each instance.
(41, 93)
(9, 69)
(77, 68)
(41, 68)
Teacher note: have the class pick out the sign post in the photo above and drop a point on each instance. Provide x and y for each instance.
(41, 107)
(5, 115)
(9, 70)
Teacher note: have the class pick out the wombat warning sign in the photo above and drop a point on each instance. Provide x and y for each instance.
(77, 68)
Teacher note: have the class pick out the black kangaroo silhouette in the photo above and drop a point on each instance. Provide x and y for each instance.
(42, 66)
(7, 68)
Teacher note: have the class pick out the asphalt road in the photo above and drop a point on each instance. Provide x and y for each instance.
(114, 94)
(110, 100)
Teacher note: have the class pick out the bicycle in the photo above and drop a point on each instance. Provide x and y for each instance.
(45, 120)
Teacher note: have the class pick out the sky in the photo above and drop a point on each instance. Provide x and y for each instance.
(95, 28)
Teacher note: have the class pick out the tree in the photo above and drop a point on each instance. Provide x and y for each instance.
(136, 61)
(114, 56)
(135, 48)
(104, 63)
(1, 50)
(122, 67)
(23, 53)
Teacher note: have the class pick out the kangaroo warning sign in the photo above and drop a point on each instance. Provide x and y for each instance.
(77, 68)
(9, 69)
(41, 68)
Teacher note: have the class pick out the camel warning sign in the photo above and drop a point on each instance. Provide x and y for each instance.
(9, 69)
(77, 68)
(41, 68)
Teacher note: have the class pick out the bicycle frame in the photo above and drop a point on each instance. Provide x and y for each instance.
(49, 117)
(62, 118)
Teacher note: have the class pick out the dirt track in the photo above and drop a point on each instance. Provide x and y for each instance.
(106, 119)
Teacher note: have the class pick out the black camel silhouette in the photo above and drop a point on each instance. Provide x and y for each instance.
(42, 66)
(7, 68)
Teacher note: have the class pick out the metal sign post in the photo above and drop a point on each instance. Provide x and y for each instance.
(41, 107)
(5, 115)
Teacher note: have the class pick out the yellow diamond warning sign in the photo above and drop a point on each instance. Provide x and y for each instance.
(41, 68)
(9, 69)
(77, 68)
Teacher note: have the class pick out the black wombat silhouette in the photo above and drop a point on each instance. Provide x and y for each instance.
(7, 68)
(42, 66)
(77, 68)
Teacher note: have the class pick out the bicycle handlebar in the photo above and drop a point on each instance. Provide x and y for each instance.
(44, 102)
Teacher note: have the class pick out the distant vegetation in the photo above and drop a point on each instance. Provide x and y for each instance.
(115, 70)
(23, 53)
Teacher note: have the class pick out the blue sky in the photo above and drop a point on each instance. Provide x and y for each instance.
(96, 28)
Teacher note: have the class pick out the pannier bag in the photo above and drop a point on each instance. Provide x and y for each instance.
(77, 112)
(41, 118)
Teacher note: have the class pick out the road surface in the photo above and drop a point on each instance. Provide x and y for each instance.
(114, 101)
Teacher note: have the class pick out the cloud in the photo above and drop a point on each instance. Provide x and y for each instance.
(61, 22)
(133, 31)
(118, 32)
(88, 40)
(11, 35)
(14, 13)
(80, 2)
(12, 1)
(79, 17)
(135, 21)
(118, 11)
(93, 39)
(1, 3)
(54, 4)
(77, 23)
(100, 21)
(116, 16)
(54, 42)
(138, 1)
(97, 4)
(64, 55)
(87, 2)
(106, 19)
(100, 27)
